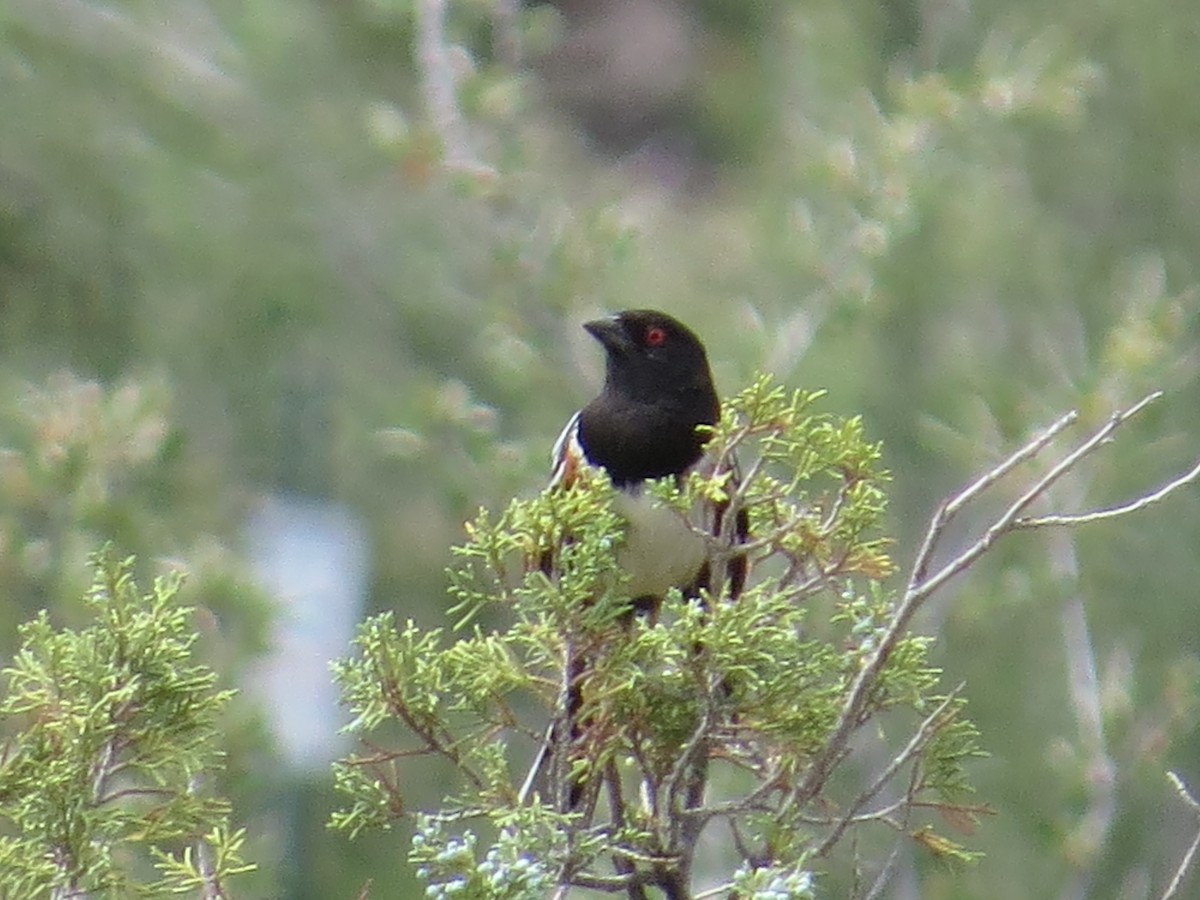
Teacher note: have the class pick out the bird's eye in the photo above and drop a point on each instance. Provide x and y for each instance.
(655, 336)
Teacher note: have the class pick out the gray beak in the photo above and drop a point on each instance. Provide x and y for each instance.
(610, 333)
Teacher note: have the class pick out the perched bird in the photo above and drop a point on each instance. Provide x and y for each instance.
(646, 423)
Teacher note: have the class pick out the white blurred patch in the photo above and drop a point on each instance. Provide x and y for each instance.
(311, 556)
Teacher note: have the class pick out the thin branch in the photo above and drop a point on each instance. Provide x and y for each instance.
(893, 861)
(927, 729)
(885, 874)
(211, 888)
(920, 589)
(1185, 795)
(905, 807)
(722, 547)
(885, 814)
(955, 504)
(540, 760)
(1182, 790)
(1100, 515)
(623, 865)
(611, 884)
(755, 801)
(650, 859)
(739, 842)
(434, 742)
(103, 768)
(1004, 523)
(684, 763)
(101, 773)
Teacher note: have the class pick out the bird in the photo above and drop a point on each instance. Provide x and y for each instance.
(649, 421)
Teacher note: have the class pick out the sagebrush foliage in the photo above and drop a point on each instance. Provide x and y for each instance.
(711, 712)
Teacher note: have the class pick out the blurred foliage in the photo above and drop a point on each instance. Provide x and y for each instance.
(230, 225)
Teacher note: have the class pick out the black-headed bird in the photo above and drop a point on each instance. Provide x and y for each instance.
(649, 421)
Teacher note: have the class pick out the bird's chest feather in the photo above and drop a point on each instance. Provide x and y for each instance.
(660, 550)
(636, 443)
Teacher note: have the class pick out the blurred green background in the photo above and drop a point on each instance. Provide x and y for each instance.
(289, 289)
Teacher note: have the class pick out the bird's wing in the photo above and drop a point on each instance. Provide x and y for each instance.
(567, 455)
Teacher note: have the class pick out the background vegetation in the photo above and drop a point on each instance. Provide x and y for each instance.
(337, 253)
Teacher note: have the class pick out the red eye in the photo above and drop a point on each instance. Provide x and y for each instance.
(655, 336)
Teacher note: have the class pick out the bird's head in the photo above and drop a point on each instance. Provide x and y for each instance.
(649, 354)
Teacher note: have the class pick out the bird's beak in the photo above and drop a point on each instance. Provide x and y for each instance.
(609, 333)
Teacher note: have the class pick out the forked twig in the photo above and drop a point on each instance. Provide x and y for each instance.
(921, 585)
(951, 507)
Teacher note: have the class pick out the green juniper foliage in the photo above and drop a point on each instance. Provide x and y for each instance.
(714, 715)
(110, 732)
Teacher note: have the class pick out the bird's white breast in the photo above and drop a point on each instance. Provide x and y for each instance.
(660, 551)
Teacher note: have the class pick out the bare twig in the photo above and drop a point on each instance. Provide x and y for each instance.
(927, 729)
(551, 759)
(611, 884)
(101, 773)
(134, 792)
(1100, 515)
(1004, 523)
(109, 763)
(616, 803)
(755, 801)
(955, 504)
(1186, 863)
(893, 861)
(435, 742)
(683, 763)
(1184, 794)
(921, 587)
(885, 874)
(540, 760)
